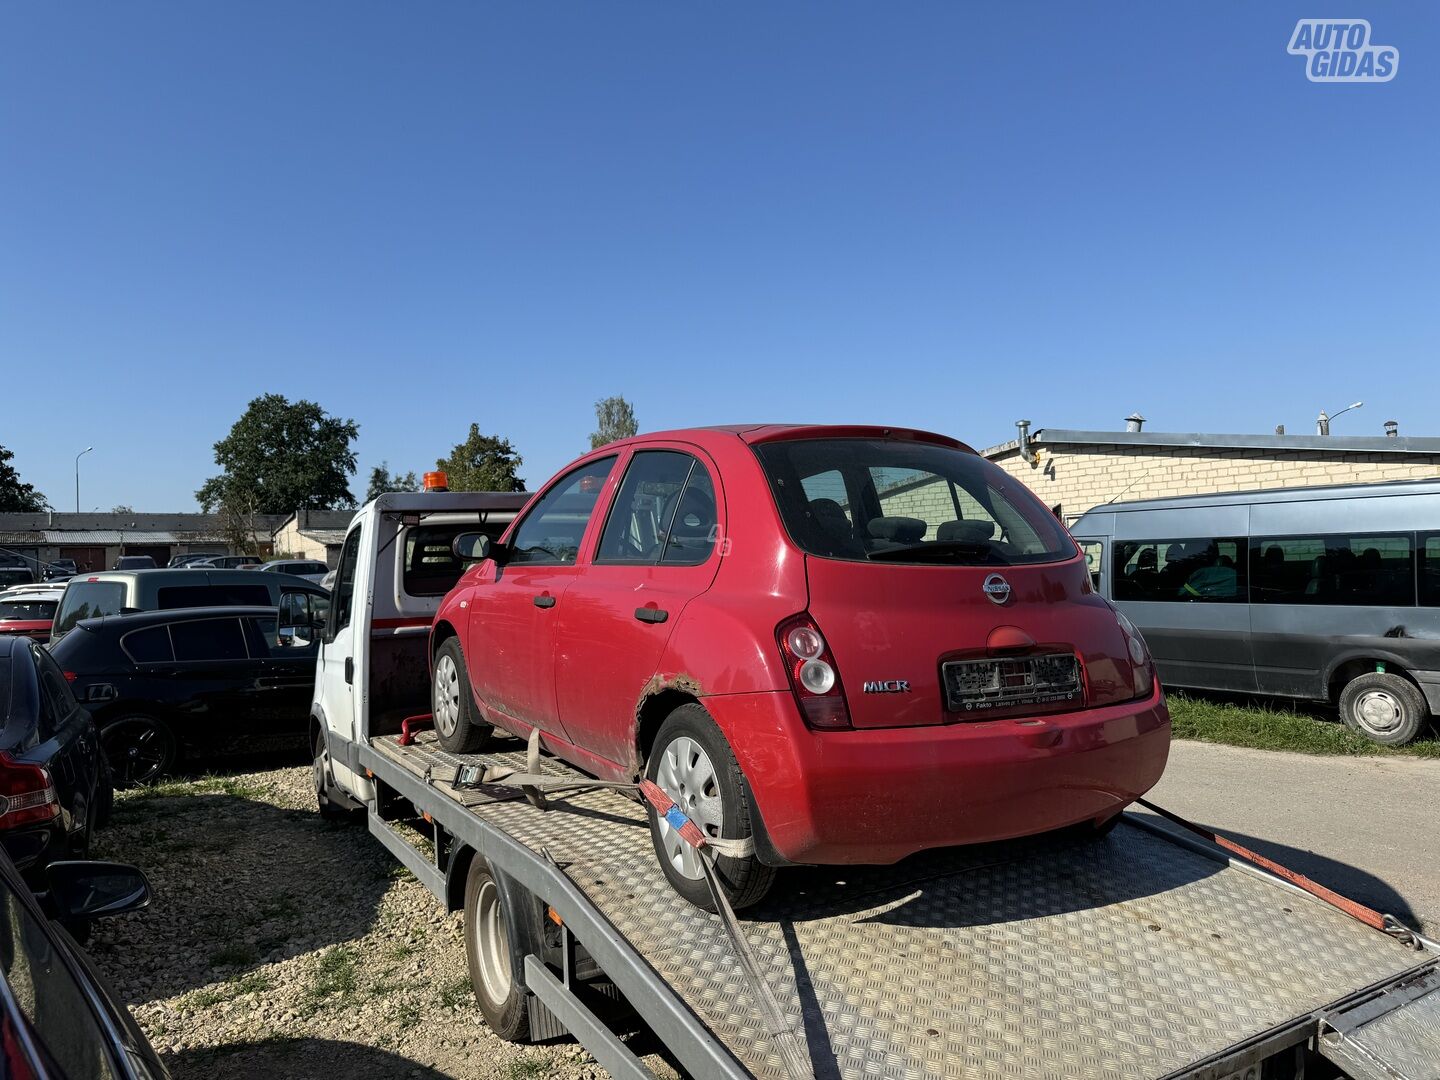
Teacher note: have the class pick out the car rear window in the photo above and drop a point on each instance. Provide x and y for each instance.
(890, 500)
(27, 609)
(431, 568)
(208, 639)
(89, 600)
(216, 595)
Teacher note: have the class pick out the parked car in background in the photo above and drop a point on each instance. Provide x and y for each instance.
(227, 562)
(309, 569)
(1323, 593)
(165, 684)
(60, 570)
(116, 592)
(54, 787)
(134, 562)
(58, 1018)
(186, 560)
(786, 627)
(28, 612)
(16, 575)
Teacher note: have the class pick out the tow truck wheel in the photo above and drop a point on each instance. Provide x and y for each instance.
(503, 1001)
(693, 764)
(332, 807)
(453, 705)
(1385, 708)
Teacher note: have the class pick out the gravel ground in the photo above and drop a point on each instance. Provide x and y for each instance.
(279, 945)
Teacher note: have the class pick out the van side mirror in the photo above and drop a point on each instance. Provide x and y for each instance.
(89, 890)
(473, 547)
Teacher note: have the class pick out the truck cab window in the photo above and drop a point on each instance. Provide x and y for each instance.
(343, 596)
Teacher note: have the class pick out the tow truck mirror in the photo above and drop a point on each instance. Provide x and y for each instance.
(472, 547)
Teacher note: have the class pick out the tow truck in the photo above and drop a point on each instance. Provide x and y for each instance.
(1150, 952)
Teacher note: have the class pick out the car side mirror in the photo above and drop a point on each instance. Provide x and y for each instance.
(91, 890)
(473, 547)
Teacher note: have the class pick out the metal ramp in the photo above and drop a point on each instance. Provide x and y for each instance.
(1393, 1034)
(1132, 956)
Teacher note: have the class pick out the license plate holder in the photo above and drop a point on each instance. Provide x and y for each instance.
(980, 686)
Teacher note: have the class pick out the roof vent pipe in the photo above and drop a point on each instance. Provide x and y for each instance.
(1279, 429)
(1027, 453)
(1392, 429)
(1134, 422)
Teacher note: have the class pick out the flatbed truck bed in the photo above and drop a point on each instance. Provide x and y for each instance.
(1142, 954)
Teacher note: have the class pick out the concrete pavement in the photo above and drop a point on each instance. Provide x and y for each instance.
(1369, 828)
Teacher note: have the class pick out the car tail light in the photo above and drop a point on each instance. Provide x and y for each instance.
(1140, 662)
(813, 675)
(27, 793)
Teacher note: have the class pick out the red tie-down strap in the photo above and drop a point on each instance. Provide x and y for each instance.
(670, 810)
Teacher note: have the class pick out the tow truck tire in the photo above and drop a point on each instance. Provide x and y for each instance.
(452, 703)
(331, 804)
(694, 765)
(1385, 708)
(503, 1000)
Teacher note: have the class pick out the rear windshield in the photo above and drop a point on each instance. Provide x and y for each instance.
(882, 500)
(431, 568)
(27, 609)
(89, 600)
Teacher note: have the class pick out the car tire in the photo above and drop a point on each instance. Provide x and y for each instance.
(1385, 708)
(139, 749)
(332, 805)
(503, 999)
(452, 703)
(693, 764)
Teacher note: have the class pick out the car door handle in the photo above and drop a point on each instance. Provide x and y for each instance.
(651, 614)
(349, 669)
(544, 600)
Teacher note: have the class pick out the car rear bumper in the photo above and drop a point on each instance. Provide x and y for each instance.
(878, 795)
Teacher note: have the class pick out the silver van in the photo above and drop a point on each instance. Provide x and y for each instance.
(1325, 593)
(302, 604)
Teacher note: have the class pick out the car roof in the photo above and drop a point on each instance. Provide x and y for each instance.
(170, 615)
(1275, 495)
(179, 573)
(753, 434)
(30, 594)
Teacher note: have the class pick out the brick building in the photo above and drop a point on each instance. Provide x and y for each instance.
(1073, 471)
(96, 540)
(313, 534)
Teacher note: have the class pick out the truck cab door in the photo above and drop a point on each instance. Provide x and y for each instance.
(336, 668)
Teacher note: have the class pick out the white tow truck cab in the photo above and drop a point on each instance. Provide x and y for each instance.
(396, 565)
(1144, 954)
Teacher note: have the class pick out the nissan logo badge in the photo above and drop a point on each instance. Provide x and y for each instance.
(997, 588)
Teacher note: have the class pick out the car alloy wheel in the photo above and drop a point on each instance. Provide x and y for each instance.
(137, 749)
(687, 775)
(446, 703)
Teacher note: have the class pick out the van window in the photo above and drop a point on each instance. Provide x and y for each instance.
(1094, 552)
(553, 528)
(227, 594)
(907, 502)
(1371, 571)
(343, 596)
(208, 640)
(88, 600)
(1430, 571)
(1183, 570)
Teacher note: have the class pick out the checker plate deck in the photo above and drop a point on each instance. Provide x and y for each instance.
(1122, 958)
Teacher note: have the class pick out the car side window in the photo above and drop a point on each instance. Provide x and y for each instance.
(149, 646)
(342, 597)
(641, 517)
(551, 532)
(46, 992)
(208, 640)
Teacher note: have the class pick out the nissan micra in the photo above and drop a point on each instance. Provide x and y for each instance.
(847, 643)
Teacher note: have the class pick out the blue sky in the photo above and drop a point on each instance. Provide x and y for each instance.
(931, 214)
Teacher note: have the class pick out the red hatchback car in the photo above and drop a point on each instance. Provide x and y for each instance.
(851, 643)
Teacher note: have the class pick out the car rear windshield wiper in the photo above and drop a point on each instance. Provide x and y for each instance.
(958, 550)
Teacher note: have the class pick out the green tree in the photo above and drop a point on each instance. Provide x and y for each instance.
(615, 419)
(482, 463)
(122, 509)
(281, 456)
(382, 481)
(17, 497)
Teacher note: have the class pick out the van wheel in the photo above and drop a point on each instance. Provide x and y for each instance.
(503, 1000)
(1385, 708)
(331, 803)
(453, 705)
(139, 749)
(693, 764)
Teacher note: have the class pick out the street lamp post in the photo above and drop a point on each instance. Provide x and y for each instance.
(78, 456)
(1322, 422)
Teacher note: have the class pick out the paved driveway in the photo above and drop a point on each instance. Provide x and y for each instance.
(1367, 827)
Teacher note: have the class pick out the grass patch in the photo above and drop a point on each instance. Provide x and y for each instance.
(1273, 727)
(456, 993)
(526, 1069)
(236, 954)
(332, 982)
(401, 951)
(253, 983)
(204, 785)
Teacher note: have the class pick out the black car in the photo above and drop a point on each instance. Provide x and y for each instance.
(54, 787)
(60, 570)
(58, 1018)
(164, 684)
